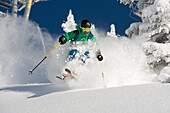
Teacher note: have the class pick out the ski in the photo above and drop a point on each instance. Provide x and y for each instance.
(59, 77)
(70, 74)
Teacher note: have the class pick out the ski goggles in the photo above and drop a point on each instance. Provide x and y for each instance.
(84, 29)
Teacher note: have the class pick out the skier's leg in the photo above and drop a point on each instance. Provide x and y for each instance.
(72, 55)
(87, 54)
(84, 57)
(64, 75)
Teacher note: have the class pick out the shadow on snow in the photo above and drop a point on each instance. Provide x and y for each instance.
(37, 90)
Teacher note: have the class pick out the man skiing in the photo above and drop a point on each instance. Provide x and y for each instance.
(79, 37)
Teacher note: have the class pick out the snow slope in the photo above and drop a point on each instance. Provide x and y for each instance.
(48, 98)
(124, 64)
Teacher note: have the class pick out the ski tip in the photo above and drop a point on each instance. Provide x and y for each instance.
(60, 78)
(67, 70)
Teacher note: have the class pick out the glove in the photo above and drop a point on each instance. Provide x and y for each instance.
(99, 57)
(62, 39)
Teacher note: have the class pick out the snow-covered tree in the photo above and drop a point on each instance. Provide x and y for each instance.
(70, 24)
(141, 4)
(155, 20)
(112, 32)
(155, 28)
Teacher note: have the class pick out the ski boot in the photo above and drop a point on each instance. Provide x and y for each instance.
(66, 74)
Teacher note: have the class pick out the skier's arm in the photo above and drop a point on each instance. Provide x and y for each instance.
(94, 39)
(69, 35)
(66, 37)
(98, 53)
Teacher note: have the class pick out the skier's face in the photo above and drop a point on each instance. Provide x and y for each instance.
(85, 30)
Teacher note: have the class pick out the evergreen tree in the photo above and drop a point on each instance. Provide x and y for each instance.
(155, 28)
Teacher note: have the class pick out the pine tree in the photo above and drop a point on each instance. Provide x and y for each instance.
(155, 28)
(70, 24)
(112, 32)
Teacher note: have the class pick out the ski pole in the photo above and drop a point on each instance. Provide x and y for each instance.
(102, 74)
(31, 71)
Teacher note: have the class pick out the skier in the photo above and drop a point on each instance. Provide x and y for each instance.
(79, 37)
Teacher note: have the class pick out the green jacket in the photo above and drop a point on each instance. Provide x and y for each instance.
(81, 35)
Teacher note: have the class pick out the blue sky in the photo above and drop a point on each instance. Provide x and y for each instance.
(53, 13)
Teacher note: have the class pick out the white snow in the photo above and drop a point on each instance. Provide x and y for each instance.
(21, 47)
(127, 1)
(46, 98)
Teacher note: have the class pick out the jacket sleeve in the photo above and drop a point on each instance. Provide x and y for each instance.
(94, 40)
(69, 35)
(98, 52)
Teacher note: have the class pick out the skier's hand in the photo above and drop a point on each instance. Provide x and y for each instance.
(62, 40)
(99, 57)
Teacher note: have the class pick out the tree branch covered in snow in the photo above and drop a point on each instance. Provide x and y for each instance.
(127, 1)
